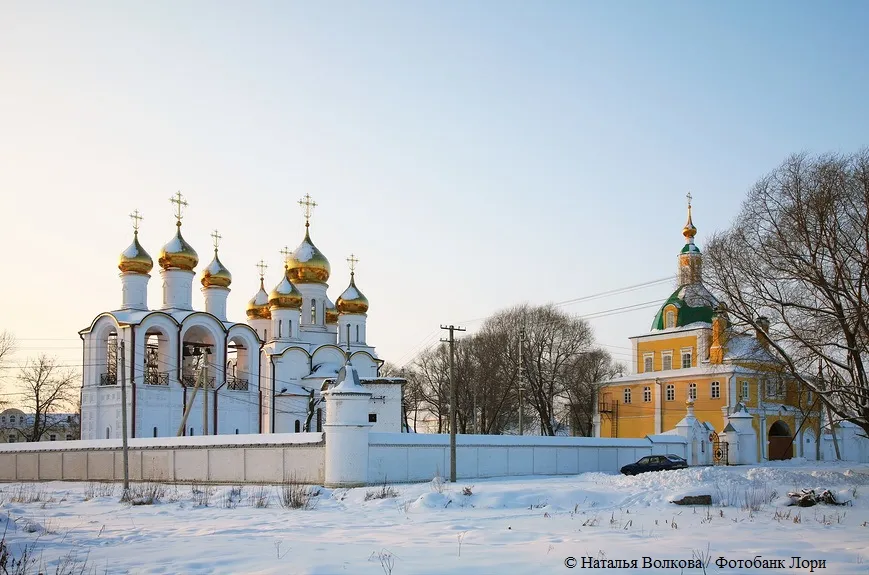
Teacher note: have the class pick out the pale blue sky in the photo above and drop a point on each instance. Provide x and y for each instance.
(474, 155)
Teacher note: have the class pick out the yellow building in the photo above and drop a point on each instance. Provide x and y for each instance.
(692, 353)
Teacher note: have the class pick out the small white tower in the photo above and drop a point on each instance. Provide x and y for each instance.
(347, 429)
(135, 265)
(215, 283)
(258, 315)
(284, 303)
(352, 311)
(178, 259)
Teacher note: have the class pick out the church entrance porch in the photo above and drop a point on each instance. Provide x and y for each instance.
(780, 445)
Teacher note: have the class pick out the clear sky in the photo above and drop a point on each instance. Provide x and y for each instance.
(473, 155)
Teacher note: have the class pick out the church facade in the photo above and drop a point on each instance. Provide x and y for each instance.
(195, 372)
(692, 354)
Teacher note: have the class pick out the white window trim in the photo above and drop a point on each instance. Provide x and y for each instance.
(692, 387)
(712, 390)
(627, 396)
(648, 356)
(665, 354)
(670, 387)
(690, 352)
(647, 392)
(745, 390)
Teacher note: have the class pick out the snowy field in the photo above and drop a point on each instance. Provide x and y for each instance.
(513, 526)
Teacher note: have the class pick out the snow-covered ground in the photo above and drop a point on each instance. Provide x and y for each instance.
(515, 526)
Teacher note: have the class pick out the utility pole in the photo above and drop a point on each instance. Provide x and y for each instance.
(204, 371)
(452, 342)
(126, 494)
(521, 379)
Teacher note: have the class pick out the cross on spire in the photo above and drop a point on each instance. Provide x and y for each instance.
(180, 204)
(215, 239)
(136, 219)
(308, 206)
(286, 253)
(688, 195)
(352, 260)
(262, 268)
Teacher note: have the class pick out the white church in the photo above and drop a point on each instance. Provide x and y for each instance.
(195, 372)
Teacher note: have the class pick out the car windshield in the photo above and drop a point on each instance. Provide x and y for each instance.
(674, 458)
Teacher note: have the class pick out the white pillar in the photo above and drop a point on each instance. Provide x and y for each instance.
(347, 430)
(177, 289)
(134, 290)
(215, 301)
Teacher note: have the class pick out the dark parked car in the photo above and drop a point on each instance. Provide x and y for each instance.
(655, 463)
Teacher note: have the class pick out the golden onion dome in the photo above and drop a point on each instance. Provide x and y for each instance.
(135, 259)
(216, 274)
(258, 306)
(308, 264)
(178, 254)
(285, 295)
(331, 312)
(352, 300)
(689, 231)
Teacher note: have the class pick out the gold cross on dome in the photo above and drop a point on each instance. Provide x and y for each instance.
(286, 253)
(180, 204)
(136, 219)
(688, 195)
(262, 268)
(352, 260)
(308, 206)
(215, 239)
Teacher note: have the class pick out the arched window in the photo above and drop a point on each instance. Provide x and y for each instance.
(298, 426)
(319, 419)
(357, 334)
(280, 327)
(108, 432)
(265, 335)
(671, 319)
(236, 431)
(191, 432)
(155, 432)
(313, 311)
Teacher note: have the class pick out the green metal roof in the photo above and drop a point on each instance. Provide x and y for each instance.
(686, 314)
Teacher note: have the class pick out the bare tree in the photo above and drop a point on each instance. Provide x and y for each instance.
(798, 257)
(581, 387)
(46, 389)
(7, 348)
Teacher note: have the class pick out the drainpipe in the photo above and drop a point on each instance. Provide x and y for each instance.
(659, 420)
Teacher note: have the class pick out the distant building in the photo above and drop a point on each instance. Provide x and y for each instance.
(16, 426)
(693, 354)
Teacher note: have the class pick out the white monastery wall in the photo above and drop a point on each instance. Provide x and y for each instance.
(267, 458)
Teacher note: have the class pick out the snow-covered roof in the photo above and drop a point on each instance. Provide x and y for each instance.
(702, 371)
(348, 381)
(326, 369)
(163, 442)
(745, 347)
(688, 327)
